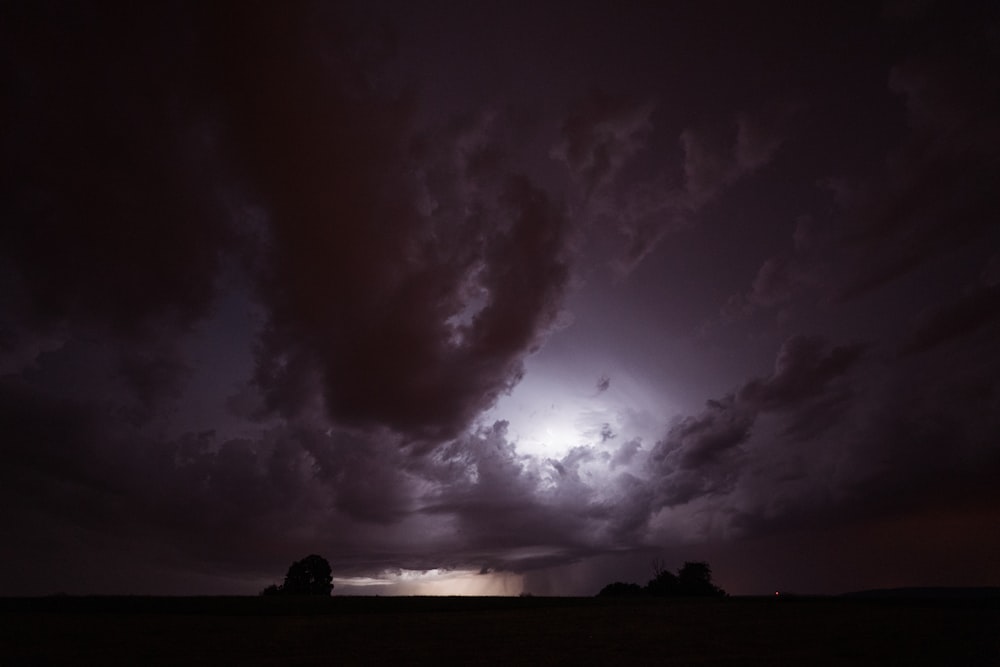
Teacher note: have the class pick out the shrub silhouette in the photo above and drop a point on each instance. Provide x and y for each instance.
(663, 584)
(309, 576)
(620, 589)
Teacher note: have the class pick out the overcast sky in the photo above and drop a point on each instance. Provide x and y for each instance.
(492, 297)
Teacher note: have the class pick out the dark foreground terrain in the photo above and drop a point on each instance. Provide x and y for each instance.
(505, 631)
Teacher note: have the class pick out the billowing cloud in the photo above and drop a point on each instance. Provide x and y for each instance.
(705, 454)
(402, 275)
(414, 313)
(268, 277)
(804, 369)
(410, 318)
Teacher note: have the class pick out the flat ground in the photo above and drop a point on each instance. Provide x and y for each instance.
(496, 631)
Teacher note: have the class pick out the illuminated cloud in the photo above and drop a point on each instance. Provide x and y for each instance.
(335, 279)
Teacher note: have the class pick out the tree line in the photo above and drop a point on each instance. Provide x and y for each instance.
(693, 579)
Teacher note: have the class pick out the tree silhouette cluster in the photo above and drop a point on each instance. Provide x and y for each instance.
(309, 576)
(694, 579)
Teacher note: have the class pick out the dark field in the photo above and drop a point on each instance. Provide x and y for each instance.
(506, 631)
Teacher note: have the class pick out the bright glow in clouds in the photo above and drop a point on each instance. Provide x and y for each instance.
(432, 582)
(553, 410)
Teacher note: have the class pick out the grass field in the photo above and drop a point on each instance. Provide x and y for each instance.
(496, 631)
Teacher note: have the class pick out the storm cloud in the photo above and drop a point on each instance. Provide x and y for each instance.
(510, 297)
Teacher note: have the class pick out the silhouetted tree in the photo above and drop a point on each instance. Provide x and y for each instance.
(662, 585)
(273, 589)
(309, 576)
(620, 589)
(696, 579)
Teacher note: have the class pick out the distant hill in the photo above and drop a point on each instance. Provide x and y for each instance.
(929, 593)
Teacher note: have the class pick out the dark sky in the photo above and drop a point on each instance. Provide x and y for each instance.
(495, 297)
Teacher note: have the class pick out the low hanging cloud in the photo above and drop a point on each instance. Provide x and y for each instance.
(363, 497)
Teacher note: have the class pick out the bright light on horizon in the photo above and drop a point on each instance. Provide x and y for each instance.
(432, 582)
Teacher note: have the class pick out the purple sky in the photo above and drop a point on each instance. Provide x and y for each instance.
(496, 297)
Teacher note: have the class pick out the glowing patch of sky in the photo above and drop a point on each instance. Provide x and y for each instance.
(555, 408)
(431, 582)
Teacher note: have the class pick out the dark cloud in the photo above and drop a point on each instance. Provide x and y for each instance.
(624, 174)
(110, 195)
(78, 482)
(774, 283)
(413, 304)
(938, 194)
(930, 202)
(153, 373)
(403, 276)
(715, 157)
(696, 441)
(600, 136)
(710, 454)
(970, 313)
(894, 447)
(783, 280)
(266, 278)
(699, 456)
(804, 369)
(115, 151)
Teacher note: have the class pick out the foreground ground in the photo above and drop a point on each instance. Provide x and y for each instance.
(487, 631)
